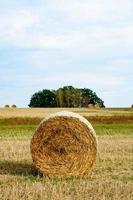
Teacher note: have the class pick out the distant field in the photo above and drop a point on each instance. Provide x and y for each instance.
(29, 116)
(111, 177)
(42, 112)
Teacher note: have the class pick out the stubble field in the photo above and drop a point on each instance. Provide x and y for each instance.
(111, 177)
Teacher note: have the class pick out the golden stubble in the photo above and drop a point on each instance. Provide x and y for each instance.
(111, 177)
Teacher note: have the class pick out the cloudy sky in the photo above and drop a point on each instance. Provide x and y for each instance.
(52, 43)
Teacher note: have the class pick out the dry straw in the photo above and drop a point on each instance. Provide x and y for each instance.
(64, 145)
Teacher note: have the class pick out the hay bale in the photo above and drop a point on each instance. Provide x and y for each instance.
(97, 106)
(64, 145)
(91, 106)
(6, 106)
(14, 106)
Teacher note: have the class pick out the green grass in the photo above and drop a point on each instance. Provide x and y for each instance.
(17, 131)
(26, 131)
(114, 129)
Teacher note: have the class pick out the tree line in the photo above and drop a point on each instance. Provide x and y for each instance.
(68, 96)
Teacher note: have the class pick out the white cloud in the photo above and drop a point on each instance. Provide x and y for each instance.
(96, 10)
(14, 25)
(25, 28)
(89, 41)
(78, 78)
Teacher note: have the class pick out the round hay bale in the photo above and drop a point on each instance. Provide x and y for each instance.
(97, 106)
(91, 106)
(6, 106)
(14, 106)
(64, 145)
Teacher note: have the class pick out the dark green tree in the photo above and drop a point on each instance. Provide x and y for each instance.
(44, 98)
(85, 97)
(90, 97)
(60, 97)
(68, 96)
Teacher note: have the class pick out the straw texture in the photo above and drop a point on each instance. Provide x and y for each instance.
(64, 145)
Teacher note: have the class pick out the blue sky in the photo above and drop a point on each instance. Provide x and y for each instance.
(52, 43)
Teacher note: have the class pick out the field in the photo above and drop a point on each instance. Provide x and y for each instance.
(112, 174)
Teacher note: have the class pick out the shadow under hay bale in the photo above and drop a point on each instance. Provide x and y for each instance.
(15, 168)
(64, 145)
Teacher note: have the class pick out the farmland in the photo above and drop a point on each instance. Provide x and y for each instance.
(111, 177)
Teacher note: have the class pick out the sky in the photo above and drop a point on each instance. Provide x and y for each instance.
(47, 44)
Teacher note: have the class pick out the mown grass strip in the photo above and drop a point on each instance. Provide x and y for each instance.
(17, 131)
(26, 131)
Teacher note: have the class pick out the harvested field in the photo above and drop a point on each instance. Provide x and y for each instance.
(111, 177)
(29, 116)
(42, 112)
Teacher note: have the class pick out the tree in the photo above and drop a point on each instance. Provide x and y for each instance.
(44, 98)
(90, 97)
(60, 97)
(68, 96)
(86, 97)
